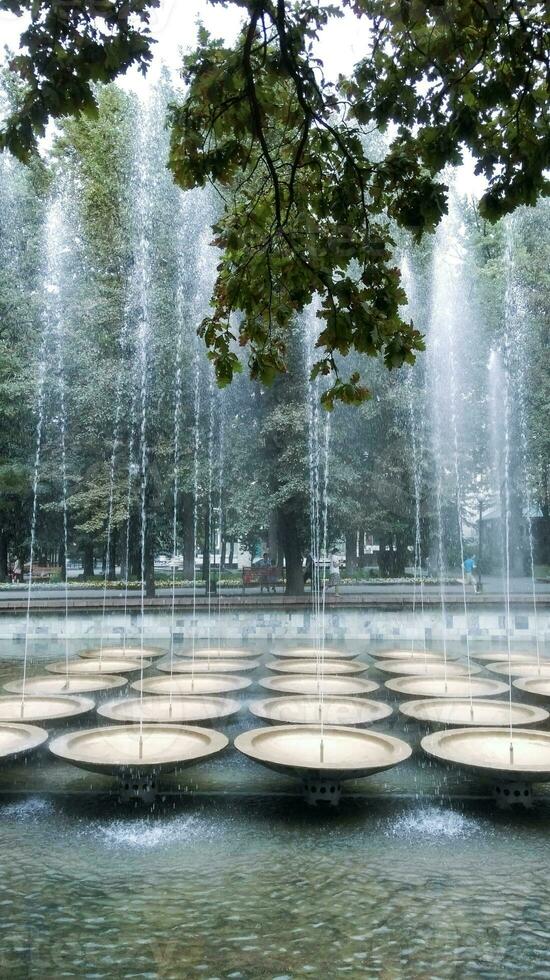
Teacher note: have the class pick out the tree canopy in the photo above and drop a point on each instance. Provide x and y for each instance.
(307, 210)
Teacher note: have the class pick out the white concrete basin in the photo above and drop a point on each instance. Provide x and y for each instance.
(186, 684)
(17, 740)
(207, 667)
(478, 711)
(453, 687)
(314, 666)
(47, 684)
(157, 709)
(335, 753)
(309, 684)
(43, 708)
(98, 666)
(489, 751)
(139, 749)
(296, 709)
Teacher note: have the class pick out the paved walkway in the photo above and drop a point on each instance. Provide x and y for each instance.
(361, 594)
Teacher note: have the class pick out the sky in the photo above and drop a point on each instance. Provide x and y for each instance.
(173, 25)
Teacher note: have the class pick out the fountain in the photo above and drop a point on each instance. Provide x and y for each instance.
(311, 684)
(430, 668)
(166, 708)
(322, 757)
(520, 668)
(306, 709)
(202, 684)
(122, 652)
(207, 667)
(47, 685)
(539, 686)
(312, 653)
(450, 687)
(311, 667)
(17, 740)
(219, 652)
(511, 758)
(111, 666)
(471, 711)
(42, 705)
(419, 656)
(45, 709)
(138, 754)
(494, 655)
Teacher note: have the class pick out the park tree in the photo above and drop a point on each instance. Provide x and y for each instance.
(22, 203)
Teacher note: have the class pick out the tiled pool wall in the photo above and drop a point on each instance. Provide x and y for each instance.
(246, 624)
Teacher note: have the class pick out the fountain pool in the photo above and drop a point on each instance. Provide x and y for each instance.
(228, 872)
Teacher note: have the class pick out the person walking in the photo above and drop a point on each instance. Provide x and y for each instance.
(469, 571)
(264, 564)
(334, 571)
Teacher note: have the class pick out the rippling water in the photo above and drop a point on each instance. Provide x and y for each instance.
(268, 889)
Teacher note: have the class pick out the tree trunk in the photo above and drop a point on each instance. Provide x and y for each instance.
(351, 555)
(206, 550)
(187, 535)
(111, 574)
(62, 560)
(361, 557)
(517, 556)
(149, 563)
(273, 538)
(3, 557)
(88, 559)
(384, 555)
(289, 538)
(223, 553)
(134, 560)
(231, 552)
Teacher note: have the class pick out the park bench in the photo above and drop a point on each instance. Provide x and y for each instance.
(266, 576)
(43, 572)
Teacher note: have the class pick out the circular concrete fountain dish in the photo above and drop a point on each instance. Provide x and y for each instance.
(98, 666)
(163, 709)
(422, 656)
(17, 740)
(520, 668)
(540, 686)
(312, 653)
(200, 684)
(122, 653)
(115, 749)
(454, 687)
(313, 666)
(347, 753)
(296, 709)
(487, 751)
(206, 667)
(47, 685)
(43, 709)
(222, 653)
(421, 669)
(494, 655)
(478, 711)
(309, 684)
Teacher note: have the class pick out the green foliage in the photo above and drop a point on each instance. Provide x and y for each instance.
(464, 73)
(303, 205)
(64, 50)
(306, 208)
